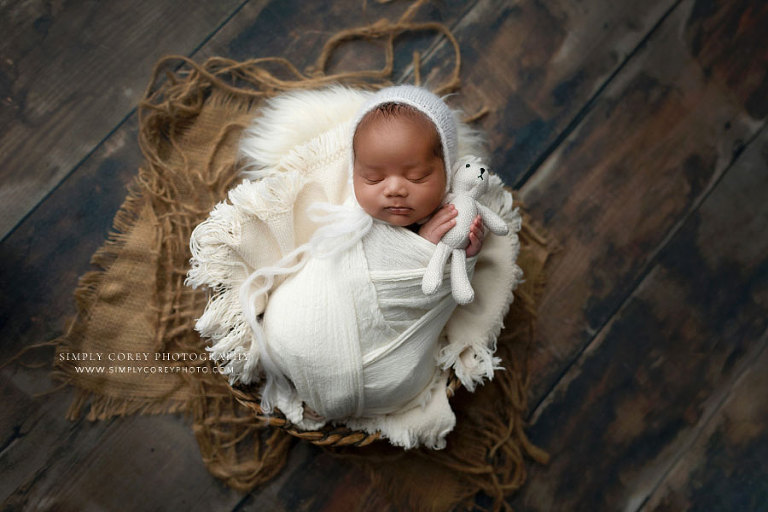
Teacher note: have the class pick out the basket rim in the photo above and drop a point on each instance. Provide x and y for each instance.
(328, 435)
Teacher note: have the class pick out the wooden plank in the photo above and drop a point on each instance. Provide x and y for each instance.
(291, 29)
(632, 403)
(726, 467)
(25, 456)
(70, 73)
(283, 493)
(81, 466)
(535, 65)
(50, 463)
(17, 406)
(651, 147)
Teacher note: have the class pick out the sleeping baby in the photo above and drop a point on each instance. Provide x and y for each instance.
(399, 171)
(338, 325)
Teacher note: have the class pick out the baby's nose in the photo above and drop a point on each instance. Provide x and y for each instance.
(396, 187)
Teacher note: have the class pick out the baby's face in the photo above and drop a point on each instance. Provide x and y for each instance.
(398, 177)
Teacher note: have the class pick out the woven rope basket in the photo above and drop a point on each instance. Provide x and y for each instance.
(330, 435)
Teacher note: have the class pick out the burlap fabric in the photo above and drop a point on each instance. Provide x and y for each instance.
(136, 303)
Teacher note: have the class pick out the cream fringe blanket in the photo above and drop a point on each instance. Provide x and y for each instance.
(359, 342)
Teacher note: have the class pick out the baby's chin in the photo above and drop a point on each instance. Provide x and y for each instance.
(396, 220)
(401, 222)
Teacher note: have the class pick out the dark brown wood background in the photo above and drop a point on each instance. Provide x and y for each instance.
(635, 133)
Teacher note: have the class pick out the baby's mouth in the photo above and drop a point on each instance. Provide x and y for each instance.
(399, 210)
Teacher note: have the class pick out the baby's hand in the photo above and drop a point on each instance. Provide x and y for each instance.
(440, 223)
(476, 236)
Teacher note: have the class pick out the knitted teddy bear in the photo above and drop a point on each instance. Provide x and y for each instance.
(469, 182)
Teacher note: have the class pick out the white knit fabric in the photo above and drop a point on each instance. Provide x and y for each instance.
(353, 335)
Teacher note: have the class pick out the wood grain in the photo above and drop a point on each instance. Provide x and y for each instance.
(614, 193)
(72, 71)
(51, 249)
(96, 466)
(634, 400)
(535, 65)
(725, 468)
(300, 37)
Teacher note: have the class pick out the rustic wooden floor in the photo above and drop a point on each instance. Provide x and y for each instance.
(634, 131)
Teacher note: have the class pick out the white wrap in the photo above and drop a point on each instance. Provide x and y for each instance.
(362, 339)
(359, 341)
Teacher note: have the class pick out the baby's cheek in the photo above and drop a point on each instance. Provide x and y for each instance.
(363, 196)
(436, 199)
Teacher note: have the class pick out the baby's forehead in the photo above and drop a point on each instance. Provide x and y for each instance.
(388, 112)
(391, 116)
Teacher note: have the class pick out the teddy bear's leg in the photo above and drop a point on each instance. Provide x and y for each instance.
(460, 287)
(433, 275)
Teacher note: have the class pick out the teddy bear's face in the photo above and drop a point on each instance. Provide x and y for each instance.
(471, 177)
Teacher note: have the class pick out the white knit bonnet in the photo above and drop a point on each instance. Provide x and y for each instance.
(428, 104)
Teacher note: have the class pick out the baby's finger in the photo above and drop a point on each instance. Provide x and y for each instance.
(483, 229)
(475, 244)
(444, 214)
(477, 228)
(441, 229)
(440, 223)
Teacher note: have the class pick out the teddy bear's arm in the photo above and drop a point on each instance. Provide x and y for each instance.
(495, 223)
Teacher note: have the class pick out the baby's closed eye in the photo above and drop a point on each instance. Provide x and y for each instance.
(420, 176)
(371, 177)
